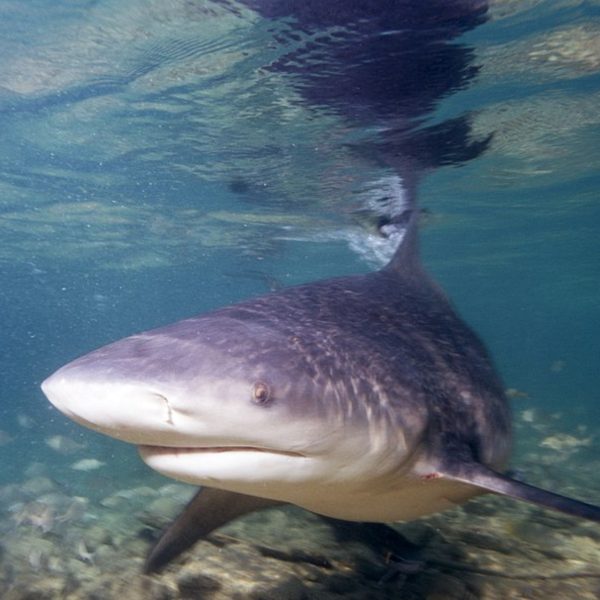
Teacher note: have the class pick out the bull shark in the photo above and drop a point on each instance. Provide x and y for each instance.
(363, 398)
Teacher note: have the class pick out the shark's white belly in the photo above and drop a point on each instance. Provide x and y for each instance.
(413, 498)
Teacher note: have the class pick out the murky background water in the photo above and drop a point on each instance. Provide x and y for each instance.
(158, 159)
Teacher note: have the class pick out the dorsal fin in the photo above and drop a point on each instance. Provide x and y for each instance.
(487, 479)
(406, 261)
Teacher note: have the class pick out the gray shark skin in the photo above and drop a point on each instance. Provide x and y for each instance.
(363, 398)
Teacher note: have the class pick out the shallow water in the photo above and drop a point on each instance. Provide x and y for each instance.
(159, 159)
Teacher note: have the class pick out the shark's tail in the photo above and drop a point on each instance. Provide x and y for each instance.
(487, 479)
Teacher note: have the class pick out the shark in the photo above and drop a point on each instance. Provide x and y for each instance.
(363, 398)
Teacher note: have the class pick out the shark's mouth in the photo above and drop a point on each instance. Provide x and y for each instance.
(179, 450)
(245, 467)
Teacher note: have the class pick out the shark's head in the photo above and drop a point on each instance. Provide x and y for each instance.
(233, 402)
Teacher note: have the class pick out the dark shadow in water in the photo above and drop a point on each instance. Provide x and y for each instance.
(403, 564)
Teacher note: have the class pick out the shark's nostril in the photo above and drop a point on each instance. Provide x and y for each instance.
(169, 418)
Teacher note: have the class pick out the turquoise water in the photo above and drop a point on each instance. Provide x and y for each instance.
(159, 159)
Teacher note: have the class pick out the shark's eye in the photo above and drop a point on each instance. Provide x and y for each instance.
(261, 394)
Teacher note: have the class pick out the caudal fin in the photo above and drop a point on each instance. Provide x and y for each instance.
(480, 476)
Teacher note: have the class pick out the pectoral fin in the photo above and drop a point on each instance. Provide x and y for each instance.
(480, 476)
(208, 510)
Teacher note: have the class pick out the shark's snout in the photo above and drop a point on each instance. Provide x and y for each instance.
(125, 410)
